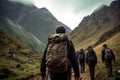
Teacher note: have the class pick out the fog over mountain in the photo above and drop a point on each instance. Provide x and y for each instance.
(38, 22)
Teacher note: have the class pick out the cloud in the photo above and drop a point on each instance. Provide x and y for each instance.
(80, 5)
(23, 1)
(76, 5)
(70, 12)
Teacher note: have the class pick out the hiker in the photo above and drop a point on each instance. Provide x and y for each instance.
(107, 57)
(81, 56)
(91, 60)
(59, 57)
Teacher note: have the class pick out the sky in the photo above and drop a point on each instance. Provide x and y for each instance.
(69, 12)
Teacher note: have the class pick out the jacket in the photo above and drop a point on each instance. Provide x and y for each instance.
(103, 55)
(71, 56)
(94, 55)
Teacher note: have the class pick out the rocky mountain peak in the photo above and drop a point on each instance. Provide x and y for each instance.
(103, 6)
(103, 19)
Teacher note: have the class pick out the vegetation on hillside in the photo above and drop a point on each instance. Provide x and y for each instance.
(20, 33)
(102, 26)
(17, 61)
(94, 26)
(114, 44)
(37, 21)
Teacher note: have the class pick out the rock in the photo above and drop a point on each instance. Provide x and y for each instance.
(31, 62)
(18, 65)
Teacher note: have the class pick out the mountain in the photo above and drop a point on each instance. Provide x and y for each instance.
(17, 31)
(17, 61)
(94, 26)
(101, 27)
(39, 22)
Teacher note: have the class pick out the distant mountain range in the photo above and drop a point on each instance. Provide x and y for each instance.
(92, 28)
(31, 25)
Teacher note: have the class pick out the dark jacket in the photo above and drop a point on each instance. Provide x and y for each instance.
(71, 56)
(94, 55)
(103, 55)
(81, 56)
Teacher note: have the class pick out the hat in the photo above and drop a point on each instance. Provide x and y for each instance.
(104, 45)
(89, 47)
(81, 49)
(60, 29)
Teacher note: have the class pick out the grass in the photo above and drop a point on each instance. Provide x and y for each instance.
(114, 44)
(8, 46)
(87, 35)
(82, 38)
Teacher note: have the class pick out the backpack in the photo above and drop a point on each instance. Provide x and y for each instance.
(56, 55)
(91, 55)
(108, 54)
(81, 56)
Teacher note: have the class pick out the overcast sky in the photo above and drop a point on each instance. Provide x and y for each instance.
(69, 12)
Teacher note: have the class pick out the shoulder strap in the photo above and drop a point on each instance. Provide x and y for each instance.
(69, 45)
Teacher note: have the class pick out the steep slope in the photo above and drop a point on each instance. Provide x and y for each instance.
(114, 44)
(102, 26)
(17, 31)
(95, 25)
(17, 61)
(39, 22)
(107, 35)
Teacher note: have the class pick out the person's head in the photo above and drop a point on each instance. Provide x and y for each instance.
(60, 29)
(104, 45)
(81, 50)
(89, 48)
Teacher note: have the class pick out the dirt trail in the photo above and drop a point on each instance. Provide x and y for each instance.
(85, 76)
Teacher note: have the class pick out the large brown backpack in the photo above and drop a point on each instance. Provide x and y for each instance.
(57, 53)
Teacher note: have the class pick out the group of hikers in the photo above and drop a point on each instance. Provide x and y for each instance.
(90, 59)
(59, 58)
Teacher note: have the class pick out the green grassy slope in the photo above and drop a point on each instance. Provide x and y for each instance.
(114, 44)
(94, 26)
(90, 36)
(17, 61)
(102, 26)
(17, 31)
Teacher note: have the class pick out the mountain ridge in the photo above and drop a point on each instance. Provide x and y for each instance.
(17, 31)
(93, 26)
(36, 21)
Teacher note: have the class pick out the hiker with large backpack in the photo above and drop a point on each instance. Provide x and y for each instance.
(59, 57)
(107, 57)
(91, 60)
(81, 56)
